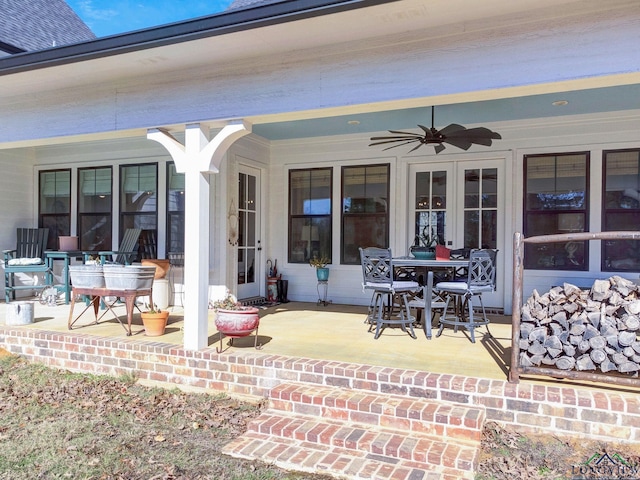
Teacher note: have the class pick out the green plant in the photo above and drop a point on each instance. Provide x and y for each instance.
(152, 308)
(228, 302)
(319, 262)
(427, 238)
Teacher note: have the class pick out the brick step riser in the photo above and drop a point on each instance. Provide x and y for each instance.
(423, 417)
(365, 439)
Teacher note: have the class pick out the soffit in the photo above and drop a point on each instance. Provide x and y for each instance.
(430, 18)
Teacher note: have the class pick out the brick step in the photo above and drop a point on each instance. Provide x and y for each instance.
(352, 451)
(351, 434)
(420, 415)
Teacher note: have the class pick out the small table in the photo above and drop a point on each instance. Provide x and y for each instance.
(50, 257)
(96, 294)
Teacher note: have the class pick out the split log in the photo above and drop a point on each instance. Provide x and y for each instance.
(566, 362)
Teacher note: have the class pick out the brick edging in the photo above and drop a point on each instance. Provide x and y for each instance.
(605, 414)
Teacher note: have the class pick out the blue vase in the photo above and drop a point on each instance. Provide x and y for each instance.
(322, 274)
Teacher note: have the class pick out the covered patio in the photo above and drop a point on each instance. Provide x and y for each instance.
(305, 330)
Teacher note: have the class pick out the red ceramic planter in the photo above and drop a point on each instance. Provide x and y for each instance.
(237, 323)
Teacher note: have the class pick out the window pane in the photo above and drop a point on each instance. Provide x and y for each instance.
(310, 191)
(138, 188)
(310, 209)
(365, 207)
(310, 237)
(363, 231)
(556, 202)
(55, 191)
(95, 232)
(175, 209)
(55, 204)
(621, 210)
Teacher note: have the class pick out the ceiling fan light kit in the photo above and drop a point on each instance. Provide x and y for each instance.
(453, 134)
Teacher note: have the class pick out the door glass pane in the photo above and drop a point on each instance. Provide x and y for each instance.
(481, 208)
(251, 229)
(471, 229)
(489, 188)
(423, 190)
(251, 192)
(430, 206)
(471, 188)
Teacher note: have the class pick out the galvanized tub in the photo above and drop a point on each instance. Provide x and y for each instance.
(87, 276)
(128, 277)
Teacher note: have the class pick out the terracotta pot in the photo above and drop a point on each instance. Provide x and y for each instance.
(161, 264)
(154, 323)
(237, 323)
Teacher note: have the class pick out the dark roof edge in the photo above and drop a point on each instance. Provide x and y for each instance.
(214, 25)
(9, 48)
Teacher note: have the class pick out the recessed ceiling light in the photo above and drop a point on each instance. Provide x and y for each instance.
(560, 103)
(353, 122)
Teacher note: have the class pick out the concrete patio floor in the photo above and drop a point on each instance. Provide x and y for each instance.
(332, 332)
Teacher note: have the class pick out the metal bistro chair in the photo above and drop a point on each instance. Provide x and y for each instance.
(481, 279)
(27, 257)
(377, 272)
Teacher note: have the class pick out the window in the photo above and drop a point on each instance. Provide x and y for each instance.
(138, 197)
(480, 207)
(621, 209)
(94, 208)
(556, 201)
(365, 210)
(175, 210)
(310, 192)
(55, 204)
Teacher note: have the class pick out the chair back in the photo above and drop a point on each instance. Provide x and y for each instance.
(128, 249)
(148, 244)
(32, 242)
(376, 266)
(482, 268)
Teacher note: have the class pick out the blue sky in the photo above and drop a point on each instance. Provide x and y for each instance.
(109, 17)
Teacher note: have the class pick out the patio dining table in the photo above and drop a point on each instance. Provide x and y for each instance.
(428, 300)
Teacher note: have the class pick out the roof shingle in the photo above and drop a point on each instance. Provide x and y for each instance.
(38, 24)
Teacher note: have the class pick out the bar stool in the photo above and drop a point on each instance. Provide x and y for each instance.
(377, 273)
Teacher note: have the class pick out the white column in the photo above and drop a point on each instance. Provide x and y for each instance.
(196, 159)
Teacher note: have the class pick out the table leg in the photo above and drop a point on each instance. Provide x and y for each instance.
(129, 301)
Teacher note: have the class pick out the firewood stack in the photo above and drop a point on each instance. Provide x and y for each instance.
(584, 330)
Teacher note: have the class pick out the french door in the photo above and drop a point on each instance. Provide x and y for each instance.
(250, 271)
(462, 203)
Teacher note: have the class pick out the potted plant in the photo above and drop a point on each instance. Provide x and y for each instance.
(424, 245)
(320, 264)
(233, 319)
(154, 320)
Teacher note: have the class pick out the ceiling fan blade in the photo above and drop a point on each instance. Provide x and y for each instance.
(460, 142)
(399, 140)
(481, 135)
(403, 144)
(405, 133)
(452, 129)
(398, 137)
(438, 148)
(416, 147)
